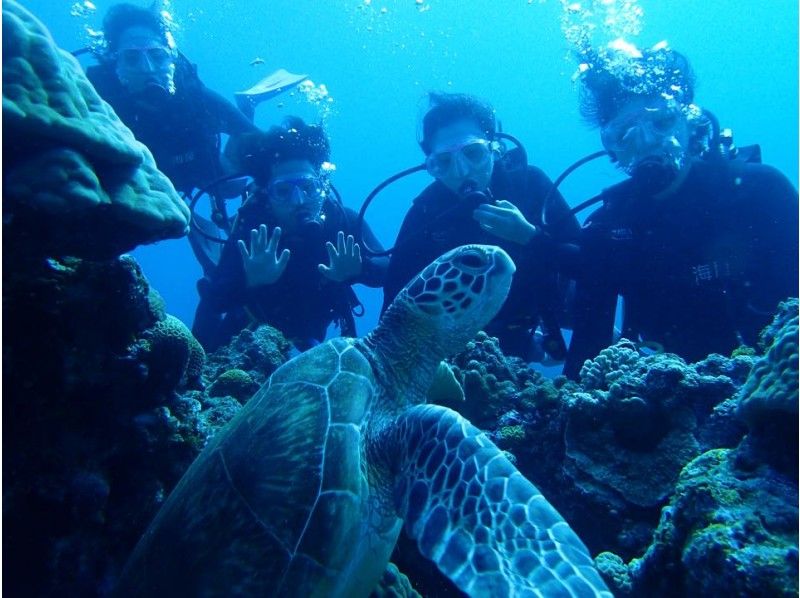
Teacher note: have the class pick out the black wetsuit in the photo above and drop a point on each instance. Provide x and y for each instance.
(429, 230)
(181, 130)
(699, 270)
(302, 303)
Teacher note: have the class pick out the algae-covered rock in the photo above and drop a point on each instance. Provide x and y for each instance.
(258, 352)
(615, 572)
(76, 182)
(727, 531)
(510, 437)
(99, 435)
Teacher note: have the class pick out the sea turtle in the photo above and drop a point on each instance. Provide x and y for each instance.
(305, 491)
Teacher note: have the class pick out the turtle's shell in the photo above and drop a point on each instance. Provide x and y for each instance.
(278, 502)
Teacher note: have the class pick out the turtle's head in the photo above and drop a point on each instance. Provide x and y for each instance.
(442, 308)
(459, 293)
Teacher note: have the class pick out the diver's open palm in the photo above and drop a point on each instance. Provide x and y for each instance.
(261, 264)
(344, 259)
(504, 220)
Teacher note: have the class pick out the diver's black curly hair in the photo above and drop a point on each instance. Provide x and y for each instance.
(606, 88)
(255, 154)
(446, 108)
(123, 16)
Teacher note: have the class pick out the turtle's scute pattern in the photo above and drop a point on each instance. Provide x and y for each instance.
(285, 480)
(519, 544)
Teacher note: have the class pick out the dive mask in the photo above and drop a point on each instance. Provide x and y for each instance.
(650, 137)
(474, 153)
(140, 67)
(308, 189)
(299, 198)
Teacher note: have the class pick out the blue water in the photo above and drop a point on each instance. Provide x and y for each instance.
(377, 59)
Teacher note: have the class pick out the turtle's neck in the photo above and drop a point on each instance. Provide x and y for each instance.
(405, 352)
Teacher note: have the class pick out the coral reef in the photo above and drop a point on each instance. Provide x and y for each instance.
(257, 352)
(493, 383)
(634, 425)
(640, 452)
(726, 532)
(74, 166)
(731, 525)
(105, 421)
(607, 452)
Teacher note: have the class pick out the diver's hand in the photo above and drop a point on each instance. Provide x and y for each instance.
(504, 220)
(345, 259)
(261, 264)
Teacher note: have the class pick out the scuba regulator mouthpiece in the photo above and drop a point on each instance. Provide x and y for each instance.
(309, 223)
(155, 93)
(470, 193)
(468, 188)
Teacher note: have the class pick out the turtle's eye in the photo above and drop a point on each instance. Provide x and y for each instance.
(471, 259)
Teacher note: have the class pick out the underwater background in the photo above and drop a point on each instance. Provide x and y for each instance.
(377, 58)
(680, 478)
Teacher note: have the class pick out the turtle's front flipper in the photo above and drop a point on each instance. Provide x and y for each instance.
(484, 525)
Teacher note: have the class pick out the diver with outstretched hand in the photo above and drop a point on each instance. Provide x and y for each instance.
(297, 271)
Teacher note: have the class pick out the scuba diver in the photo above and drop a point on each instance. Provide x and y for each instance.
(291, 258)
(157, 93)
(484, 195)
(700, 241)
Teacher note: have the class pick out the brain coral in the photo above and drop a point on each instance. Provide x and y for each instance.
(171, 354)
(73, 165)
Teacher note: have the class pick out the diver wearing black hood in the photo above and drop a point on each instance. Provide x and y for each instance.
(156, 92)
(483, 196)
(272, 269)
(701, 250)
